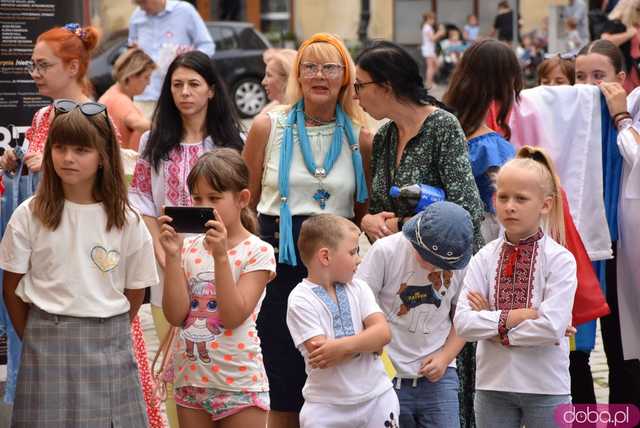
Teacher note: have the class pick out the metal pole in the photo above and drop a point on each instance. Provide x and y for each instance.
(364, 21)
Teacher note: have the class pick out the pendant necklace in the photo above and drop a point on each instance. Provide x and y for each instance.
(321, 196)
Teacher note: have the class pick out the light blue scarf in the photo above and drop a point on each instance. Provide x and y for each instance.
(287, 252)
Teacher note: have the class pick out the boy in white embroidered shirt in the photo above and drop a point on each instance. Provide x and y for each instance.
(339, 328)
(416, 276)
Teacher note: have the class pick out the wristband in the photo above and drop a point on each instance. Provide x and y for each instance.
(620, 118)
(622, 113)
(624, 123)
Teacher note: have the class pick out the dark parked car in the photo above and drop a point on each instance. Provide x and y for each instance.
(238, 59)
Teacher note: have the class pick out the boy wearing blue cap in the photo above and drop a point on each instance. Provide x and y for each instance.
(416, 276)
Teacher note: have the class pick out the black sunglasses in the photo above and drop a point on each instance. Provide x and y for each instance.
(90, 108)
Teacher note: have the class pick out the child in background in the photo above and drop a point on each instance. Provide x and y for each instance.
(76, 261)
(416, 276)
(471, 29)
(428, 47)
(557, 70)
(214, 285)
(517, 301)
(574, 41)
(340, 330)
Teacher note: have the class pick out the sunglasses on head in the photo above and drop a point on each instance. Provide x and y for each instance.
(90, 108)
(568, 56)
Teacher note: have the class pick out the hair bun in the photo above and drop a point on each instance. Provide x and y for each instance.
(88, 35)
(91, 38)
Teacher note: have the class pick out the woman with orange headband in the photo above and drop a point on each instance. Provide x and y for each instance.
(306, 159)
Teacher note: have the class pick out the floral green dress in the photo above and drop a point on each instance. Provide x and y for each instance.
(437, 155)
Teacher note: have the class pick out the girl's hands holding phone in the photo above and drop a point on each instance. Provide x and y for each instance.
(215, 239)
(170, 239)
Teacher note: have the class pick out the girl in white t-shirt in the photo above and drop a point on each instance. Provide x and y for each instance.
(214, 285)
(517, 300)
(428, 48)
(76, 262)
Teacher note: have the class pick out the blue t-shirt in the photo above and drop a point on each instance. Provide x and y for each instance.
(178, 28)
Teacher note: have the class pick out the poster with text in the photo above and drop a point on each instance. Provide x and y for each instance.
(21, 21)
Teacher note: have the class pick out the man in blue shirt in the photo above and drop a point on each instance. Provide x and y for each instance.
(164, 29)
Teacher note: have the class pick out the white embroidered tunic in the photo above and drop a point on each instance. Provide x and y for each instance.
(532, 357)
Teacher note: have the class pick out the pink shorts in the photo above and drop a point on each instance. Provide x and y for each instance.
(220, 404)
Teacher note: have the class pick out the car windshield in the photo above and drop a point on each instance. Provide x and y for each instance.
(223, 37)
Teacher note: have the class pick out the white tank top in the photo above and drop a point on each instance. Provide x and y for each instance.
(340, 183)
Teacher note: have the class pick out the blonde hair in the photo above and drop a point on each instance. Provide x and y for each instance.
(132, 63)
(282, 59)
(328, 48)
(322, 230)
(537, 160)
(627, 12)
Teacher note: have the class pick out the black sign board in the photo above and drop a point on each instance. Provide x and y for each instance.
(21, 21)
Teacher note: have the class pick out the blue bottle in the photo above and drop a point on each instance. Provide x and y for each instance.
(416, 197)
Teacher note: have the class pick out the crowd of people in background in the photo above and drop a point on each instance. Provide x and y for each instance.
(477, 308)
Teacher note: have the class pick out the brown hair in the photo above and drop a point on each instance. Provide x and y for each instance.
(225, 171)
(567, 67)
(428, 15)
(608, 49)
(323, 230)
(132, 63)
(74, 128)
(73, 45)
(535, 158)
(469, 82)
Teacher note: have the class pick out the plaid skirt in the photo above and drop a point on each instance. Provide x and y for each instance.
(78, 372)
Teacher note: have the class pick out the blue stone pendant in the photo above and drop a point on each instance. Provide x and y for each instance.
(321, 196)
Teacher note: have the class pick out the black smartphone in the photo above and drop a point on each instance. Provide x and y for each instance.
(189, 219)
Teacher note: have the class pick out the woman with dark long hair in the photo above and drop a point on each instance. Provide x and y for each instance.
(488, 150)
(194, 115)
(422, 144)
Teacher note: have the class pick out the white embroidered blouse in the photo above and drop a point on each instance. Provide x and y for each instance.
(532, 357)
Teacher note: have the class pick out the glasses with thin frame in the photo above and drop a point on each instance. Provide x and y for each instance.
(40, 67)
(330, 70)
(359, 85)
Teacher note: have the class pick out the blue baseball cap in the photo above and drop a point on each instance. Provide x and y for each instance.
(442, 234)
